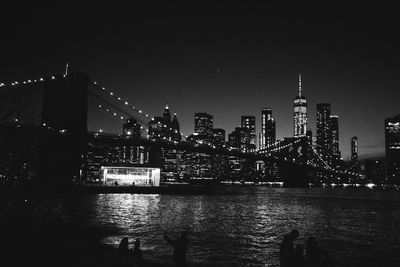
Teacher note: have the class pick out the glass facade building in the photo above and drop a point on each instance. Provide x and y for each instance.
(300, 113)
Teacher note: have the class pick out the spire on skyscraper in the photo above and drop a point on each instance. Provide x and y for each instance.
(167, 117)
(299, 84)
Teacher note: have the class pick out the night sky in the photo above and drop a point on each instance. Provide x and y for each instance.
(227, 59)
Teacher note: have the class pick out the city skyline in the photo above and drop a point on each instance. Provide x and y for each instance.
(222, 65)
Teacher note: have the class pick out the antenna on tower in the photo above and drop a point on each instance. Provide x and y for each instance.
(299, 84)
(66, 69)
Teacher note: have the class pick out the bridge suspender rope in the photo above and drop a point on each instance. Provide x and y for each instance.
(120, 99)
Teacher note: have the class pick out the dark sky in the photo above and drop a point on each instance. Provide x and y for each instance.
(348, 56)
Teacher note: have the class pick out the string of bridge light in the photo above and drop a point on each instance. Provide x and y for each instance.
(117, 115)
(330, 168)
(47, 126)
(29, 81)
(122, 100)
(272, 145)
(283, 147)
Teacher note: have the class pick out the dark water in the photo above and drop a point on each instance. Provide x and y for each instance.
(243, 226)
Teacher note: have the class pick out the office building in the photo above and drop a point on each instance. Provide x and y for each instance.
(324, 133)
(249, 122)
(203, 123)
(334, 121)
(354, 149)
(300, 113)
(268, 130)
(218, 137)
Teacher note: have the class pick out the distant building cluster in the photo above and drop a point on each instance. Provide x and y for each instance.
(208, 154)
(178, 165)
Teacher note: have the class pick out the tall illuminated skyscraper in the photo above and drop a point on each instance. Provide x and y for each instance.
(268, 131)
(392, 139)
(392, 149)
(324, 132)
(334, 121)
(354, 149)
(249, 122)
(203, 123)
(300, 113)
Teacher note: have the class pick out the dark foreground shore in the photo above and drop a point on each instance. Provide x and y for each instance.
(28, 241)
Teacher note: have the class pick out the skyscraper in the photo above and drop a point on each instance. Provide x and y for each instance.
(268, 131)
(167, 117)
(249, 122)
(354, 149)
(392, 138)
(203, 123)
(175, 129)
(392, 149)
(219, 137)
(324, 133)
(240, 139)
(334, 121)
(300, 113)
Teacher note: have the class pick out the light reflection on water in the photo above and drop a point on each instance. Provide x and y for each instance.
(244, 225)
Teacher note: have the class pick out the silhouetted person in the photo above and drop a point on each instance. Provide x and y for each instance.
(180, 246)
(137, 252)
(313, 253)
(286, 252)
(123, 249)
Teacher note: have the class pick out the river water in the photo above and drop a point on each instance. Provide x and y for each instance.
(243, 226)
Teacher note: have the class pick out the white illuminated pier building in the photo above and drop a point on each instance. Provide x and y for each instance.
(130, 176)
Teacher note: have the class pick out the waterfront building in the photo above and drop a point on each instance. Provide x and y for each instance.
(300, 113)
(130, 176)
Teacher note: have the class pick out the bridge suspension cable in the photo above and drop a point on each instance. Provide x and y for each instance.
(117, 115)
(120, 99)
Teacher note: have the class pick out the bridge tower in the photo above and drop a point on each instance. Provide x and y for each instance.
(62, 153)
